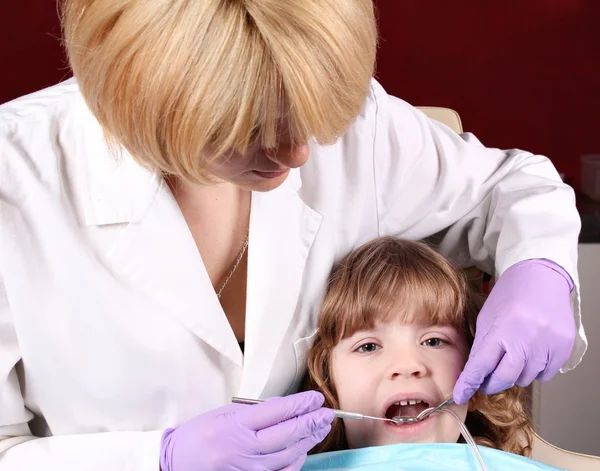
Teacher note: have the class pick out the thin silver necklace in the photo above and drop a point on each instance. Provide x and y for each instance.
(235, 265)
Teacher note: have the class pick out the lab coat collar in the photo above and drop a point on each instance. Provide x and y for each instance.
(119, 190)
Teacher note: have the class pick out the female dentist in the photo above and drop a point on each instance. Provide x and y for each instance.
(168, 220)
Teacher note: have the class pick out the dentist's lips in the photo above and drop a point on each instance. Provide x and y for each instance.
(270, 175)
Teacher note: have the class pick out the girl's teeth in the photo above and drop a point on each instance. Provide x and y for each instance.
(411, 402)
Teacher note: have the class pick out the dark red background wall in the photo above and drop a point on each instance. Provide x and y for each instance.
(522, 73)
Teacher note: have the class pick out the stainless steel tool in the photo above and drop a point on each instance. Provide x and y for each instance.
(425, 413)
(356, 416)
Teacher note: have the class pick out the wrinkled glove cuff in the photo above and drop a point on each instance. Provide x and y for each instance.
(553, 266)
(166, 450)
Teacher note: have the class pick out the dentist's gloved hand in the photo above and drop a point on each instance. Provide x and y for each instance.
(525, 330)
(274, 435)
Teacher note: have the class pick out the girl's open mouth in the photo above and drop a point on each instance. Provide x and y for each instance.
(406, 408)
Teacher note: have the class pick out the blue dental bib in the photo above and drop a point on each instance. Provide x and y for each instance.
(421, 457)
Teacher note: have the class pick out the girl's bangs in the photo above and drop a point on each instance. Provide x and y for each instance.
(411, 285)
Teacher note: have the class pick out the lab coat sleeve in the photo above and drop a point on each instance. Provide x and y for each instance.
(19, 450)
(482, 206)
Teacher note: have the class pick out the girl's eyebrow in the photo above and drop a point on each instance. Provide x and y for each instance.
(432, 325)
(361, 332)
(448, 330)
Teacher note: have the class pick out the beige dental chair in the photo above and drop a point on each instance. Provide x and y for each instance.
(542, 450)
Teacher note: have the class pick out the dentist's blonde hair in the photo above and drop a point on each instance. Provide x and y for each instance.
(177, 82)
(390, 279)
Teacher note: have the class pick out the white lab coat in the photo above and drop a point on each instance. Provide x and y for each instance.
(110, 330)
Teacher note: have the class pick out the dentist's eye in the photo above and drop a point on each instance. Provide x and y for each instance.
(368, 348)
(434, 342)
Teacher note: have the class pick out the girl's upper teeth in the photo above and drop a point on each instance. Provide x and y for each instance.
(410, 402)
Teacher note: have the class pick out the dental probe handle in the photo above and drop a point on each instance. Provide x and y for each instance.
(340, 414)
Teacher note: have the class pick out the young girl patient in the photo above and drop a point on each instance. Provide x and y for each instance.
(394, 334)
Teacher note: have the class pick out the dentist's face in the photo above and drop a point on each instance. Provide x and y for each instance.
(399, 369)
(258, 169)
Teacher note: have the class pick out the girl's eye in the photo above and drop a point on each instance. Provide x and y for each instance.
(434, 342)
(368, 348)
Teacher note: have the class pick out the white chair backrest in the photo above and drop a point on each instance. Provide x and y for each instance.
(547, 453)
(445, 116)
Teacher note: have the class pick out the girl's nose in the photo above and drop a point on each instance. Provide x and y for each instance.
(292, 156)
(407, 365)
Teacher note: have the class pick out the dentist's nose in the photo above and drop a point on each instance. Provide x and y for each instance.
(290, 156)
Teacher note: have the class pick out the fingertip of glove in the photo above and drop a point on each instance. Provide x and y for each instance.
(314, 398)
(462, 393)
(327, 415)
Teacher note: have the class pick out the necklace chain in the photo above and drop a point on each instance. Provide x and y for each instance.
(235, 265)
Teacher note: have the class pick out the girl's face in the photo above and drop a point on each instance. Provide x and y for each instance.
(399, 369)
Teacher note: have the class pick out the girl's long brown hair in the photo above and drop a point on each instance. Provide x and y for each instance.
(370, 285)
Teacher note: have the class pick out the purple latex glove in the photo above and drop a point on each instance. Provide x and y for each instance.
(525, 330)
(274, 435)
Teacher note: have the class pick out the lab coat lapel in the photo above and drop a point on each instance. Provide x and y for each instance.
(155, 253)
(160, 257)
(282, 231)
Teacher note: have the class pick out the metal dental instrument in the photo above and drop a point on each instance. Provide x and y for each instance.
(424, 414)
(340, 414)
